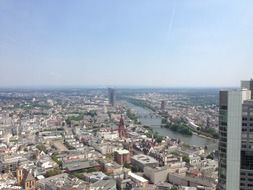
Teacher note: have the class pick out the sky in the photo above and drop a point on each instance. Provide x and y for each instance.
(146, 43)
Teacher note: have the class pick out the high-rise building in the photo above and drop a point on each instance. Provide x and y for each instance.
(163, 105)
(248, 85)
(236, 139)
(207, 122)
(111, 94)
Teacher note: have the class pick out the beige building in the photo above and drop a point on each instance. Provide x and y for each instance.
(156, 175)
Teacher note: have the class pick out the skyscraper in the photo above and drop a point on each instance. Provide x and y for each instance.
(111, 94)
(248, 85)
(236, 139)
(163, 105)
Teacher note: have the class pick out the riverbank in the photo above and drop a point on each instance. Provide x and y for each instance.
(155, 124)
(202, 134)
(206, 137)
(140, 103)
(152, 134)
(179, 129)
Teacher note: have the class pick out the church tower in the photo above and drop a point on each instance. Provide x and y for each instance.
(122, 130)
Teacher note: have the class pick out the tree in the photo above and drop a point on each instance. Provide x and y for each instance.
(42, 147)
(127, 165)
(186, 159)
(210, 156)
(53, 172)
(68, 121)
(55, 159)
(78, 175)
(164, 121)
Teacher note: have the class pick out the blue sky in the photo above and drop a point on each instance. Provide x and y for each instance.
(163, 43)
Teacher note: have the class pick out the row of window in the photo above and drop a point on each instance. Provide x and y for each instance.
(247, 146)
(223, 123)
(246, 179)
(223, 150)
(249, 185)
(223, 139)
(247, 119)
(246, 129)
(222, 134)
(246, 174)
(247, 124)
(223, 107)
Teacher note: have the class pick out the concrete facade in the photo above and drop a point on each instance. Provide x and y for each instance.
(235, 136)
(140, 161)
(156, 175)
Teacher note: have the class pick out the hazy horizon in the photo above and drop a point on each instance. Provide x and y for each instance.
(114, 87)
(162, 44)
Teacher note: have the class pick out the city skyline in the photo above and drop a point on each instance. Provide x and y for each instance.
(125, 44)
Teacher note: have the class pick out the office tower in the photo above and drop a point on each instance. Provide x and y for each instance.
(163, 104)
(248, 85)
(236, 139)
(111, 93)
(207, 122)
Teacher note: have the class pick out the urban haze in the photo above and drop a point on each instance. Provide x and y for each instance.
(126, 95)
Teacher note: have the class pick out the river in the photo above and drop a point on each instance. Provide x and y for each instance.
(155, 122)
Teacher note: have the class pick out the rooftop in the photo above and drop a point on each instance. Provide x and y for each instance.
(137, 177)
(122, 151)
(63, 182)
(144, 159)
(104, 184)
(80, 165)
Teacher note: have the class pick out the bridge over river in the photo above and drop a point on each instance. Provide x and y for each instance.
(149, 118)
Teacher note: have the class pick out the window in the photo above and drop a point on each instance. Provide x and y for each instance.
(224, 123)
(244, 118)
(224, 107)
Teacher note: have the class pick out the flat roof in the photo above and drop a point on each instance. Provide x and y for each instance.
(139, 178)
(78, 165)
(144, 159)
(122, 151)
(105, 184)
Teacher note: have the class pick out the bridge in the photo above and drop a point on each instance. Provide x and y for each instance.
(155, 125)
(148, 116)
